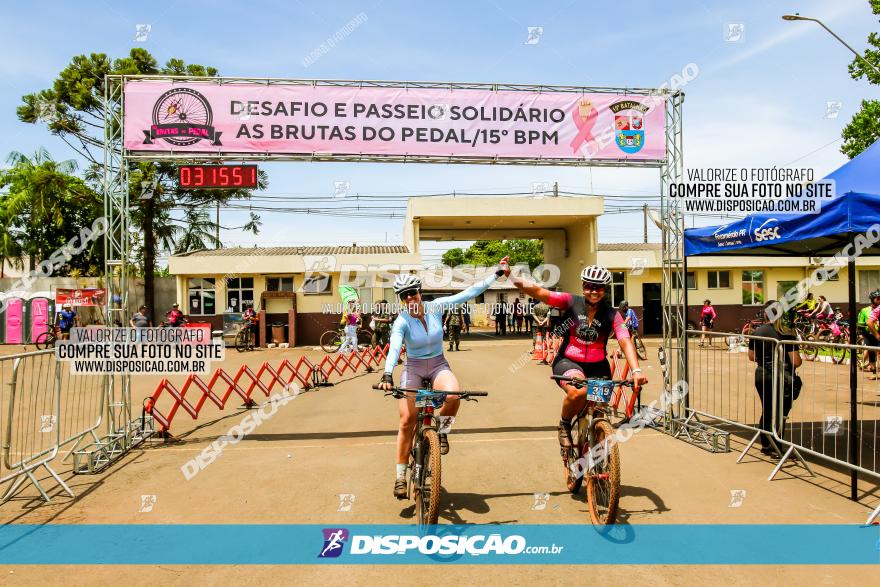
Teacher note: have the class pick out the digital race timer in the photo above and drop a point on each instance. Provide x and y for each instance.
(218, 176)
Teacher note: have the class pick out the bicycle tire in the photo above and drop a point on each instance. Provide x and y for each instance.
(240, 341)
(427, 489)
(603, 481)
(44, 341)
(331, 341)
(839, 355)
(641, 351)
(809, 351)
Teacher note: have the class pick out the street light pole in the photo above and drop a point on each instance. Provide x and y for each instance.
(796, 16)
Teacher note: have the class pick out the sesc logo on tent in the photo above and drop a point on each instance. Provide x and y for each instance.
(473, 545)
(767, 231)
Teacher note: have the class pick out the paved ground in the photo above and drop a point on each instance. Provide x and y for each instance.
(340, 440)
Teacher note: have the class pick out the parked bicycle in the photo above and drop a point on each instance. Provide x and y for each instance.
(331, 340)
(424, 471)
(594, 454)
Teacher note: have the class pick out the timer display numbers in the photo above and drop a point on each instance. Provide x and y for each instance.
(218, 176)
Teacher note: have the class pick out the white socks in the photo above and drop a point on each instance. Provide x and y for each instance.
(401, 471)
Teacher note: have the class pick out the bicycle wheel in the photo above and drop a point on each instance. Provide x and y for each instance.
(809, 351)
(641, 351)
(45, 341)
(241, 341)
(331, 341)
(427, 487)
(603, 480)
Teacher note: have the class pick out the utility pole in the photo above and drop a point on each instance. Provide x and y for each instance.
(555, 189)
(217, 229)
(645, 213)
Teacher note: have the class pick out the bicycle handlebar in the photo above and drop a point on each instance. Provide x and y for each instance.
(578, 382)
(401, 391)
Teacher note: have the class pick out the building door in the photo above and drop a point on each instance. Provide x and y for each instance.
(652, 309)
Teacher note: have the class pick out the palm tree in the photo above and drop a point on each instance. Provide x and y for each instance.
(43, 207)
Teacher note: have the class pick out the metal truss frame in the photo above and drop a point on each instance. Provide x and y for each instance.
(117, 160)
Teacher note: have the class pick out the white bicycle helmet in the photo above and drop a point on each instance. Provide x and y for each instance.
(407, 281)
(596, 274)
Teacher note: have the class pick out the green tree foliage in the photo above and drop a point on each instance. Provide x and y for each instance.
(42, 207)
(864, 128)
(485, 252)
(175, 219)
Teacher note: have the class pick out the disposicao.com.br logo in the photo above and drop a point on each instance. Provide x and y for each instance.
(397, 544)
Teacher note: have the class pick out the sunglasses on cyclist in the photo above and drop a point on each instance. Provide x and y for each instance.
(408, 293)
(593, 287)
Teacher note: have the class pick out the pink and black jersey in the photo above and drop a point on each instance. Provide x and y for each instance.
(584, 341)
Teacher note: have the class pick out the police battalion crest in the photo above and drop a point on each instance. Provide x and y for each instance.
(629, 125)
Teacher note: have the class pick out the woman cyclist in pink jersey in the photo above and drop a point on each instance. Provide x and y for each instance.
(586, 323)
(707, 319)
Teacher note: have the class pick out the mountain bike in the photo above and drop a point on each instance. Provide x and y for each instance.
(331, 340)
(244, 340)
(424, 471)
(594, 453)
(47, 339)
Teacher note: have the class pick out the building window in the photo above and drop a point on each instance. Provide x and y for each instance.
(238, 291)
(869, 280)
(783, 287)
(719, 279)
(317, 284)
(617, 287)
(753, 288)
(691, 281)
(201, 297)
(279, 284)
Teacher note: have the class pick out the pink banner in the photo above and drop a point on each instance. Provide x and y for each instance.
(329, 120)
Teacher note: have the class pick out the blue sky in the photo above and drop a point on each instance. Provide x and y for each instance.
(757, 102)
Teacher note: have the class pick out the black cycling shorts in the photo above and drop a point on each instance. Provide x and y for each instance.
(564, 367)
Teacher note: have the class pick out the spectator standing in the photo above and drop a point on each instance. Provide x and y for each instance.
(140, 319)
(763, 354)
(66, 319)
(870, 356)
(453, 324)
(707, 320)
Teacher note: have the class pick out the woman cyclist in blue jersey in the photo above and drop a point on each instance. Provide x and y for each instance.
(420, 325)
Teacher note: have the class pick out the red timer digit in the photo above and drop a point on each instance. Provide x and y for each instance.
(218, 176)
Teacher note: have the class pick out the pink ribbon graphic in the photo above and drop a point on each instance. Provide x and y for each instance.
(585, 126)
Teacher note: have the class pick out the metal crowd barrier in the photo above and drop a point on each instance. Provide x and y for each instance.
(824, 421)
(47, 414)
(821, 422)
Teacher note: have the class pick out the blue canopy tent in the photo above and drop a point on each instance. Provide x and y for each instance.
(854, 210)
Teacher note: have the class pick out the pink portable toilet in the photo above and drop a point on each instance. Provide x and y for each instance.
(39, 317)
(14, 321)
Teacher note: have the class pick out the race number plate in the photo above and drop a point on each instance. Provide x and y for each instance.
(424, 400)
(599, 391)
